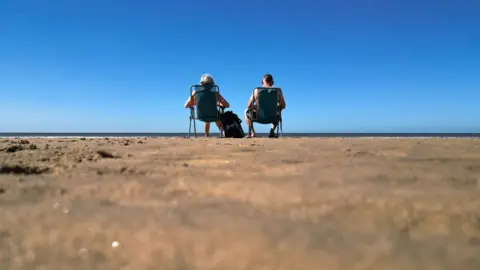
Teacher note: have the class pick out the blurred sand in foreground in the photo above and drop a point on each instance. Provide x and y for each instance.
(293, 203)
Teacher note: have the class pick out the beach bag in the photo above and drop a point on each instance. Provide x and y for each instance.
(231, 125)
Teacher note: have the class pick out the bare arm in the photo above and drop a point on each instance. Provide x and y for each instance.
(251, 101)
(281, 100)
(190, 101)
(222, 101)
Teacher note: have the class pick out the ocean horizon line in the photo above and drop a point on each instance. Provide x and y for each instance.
(200, 134)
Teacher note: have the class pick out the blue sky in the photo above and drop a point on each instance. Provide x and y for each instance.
(344, 66)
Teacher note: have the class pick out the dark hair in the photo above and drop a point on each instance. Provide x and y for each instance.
(268, 79)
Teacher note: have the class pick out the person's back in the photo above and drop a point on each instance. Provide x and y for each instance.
(250, 113)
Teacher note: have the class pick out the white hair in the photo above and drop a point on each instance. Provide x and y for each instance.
(206, 79)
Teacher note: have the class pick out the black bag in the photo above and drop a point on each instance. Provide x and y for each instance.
(231, 125)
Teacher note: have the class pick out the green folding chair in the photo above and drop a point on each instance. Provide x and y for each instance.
(267, 110)
(206, 108)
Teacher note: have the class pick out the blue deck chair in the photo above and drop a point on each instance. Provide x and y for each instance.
(267, 111)
(207, 109)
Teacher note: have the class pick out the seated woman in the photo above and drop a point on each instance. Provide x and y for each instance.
(207, 81)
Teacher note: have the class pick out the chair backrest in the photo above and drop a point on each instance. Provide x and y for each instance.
(206, 100)
(267, 102)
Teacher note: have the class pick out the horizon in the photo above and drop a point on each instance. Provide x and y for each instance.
(216, 135)
(182, 132)
(344, 66)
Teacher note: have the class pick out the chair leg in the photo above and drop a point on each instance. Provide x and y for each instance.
(221, 129)
(195, 127)
(190, 128)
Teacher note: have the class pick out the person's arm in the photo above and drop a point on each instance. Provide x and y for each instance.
(251, 101)
(223, 102)
(190, 101)
(281, 100)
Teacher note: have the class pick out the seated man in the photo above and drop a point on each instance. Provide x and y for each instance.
(267, 81)
(207, 81)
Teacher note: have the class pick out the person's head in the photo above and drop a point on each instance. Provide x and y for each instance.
(267, 80)
(206, 79)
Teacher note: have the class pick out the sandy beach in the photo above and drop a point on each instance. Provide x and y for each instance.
(289, 203)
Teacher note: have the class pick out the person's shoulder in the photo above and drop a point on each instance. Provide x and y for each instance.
(280, 92)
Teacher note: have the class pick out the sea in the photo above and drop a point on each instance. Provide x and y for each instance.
(289, 135)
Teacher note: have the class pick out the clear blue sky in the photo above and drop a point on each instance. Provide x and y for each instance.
(344, 66)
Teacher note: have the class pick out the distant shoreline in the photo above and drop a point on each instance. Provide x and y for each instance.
(213, 135)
